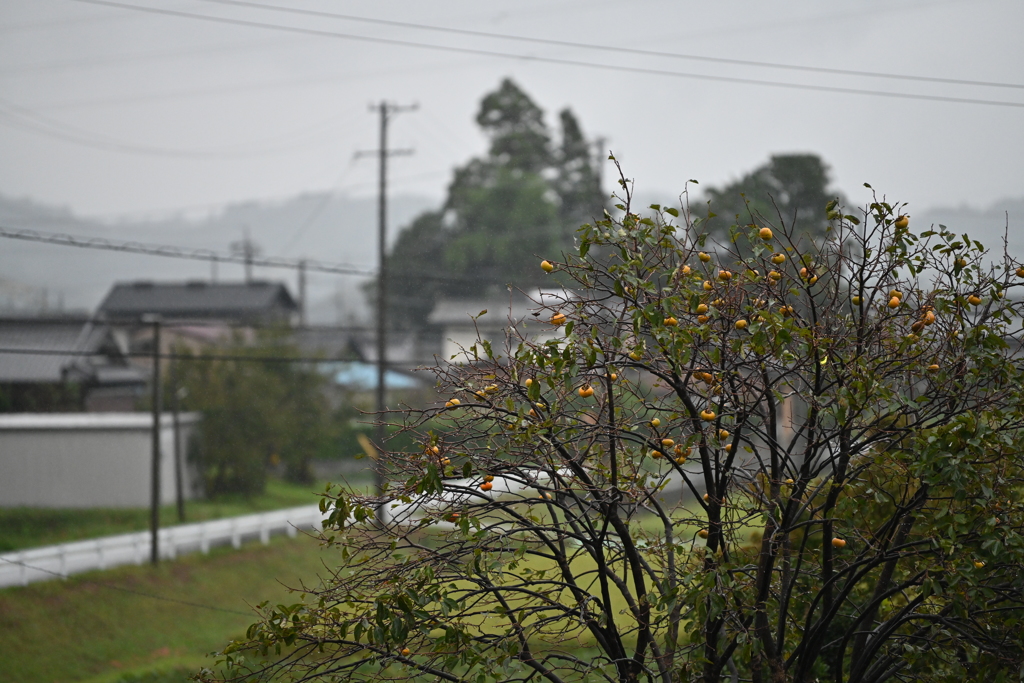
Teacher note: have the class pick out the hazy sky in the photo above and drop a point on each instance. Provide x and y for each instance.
(112, 111)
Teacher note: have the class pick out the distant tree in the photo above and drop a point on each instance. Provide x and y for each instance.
(520, 140)
(414, 272)
(524, 198)
(255, 414)
(790, 188)
(578, 179)
(501, 218)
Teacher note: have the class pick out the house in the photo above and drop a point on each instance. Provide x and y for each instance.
(257, 302)
(528, 315)
(64, 362)
(194, 314)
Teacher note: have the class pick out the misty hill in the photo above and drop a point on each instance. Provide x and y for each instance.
(985, 225)
(322, 226)
(336, 228)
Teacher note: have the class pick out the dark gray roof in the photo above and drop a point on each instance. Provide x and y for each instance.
(93, 346)
(257, 300)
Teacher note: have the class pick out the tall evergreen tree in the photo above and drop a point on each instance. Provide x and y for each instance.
(790, 188)
(578, 182)
(525, 197)
(520, 139)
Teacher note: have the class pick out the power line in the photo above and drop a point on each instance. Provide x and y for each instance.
(27, 119)
(332, 192)
(223, 89)
(130, 590)
(180, 322)
(178, 252)
(70, 21)
(130, 59)
(209, 255)
(318, 208)
(21, 351)
(555, 60)
(613, 48)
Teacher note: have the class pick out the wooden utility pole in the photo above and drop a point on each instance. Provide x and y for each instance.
(179, 476)
(302, 293)
(385, 110)
(154, 500)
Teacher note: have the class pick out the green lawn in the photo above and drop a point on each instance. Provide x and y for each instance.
(104, 627)
(30, 527)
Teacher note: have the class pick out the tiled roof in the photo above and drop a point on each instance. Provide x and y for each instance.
(71, 334)
(199, 299)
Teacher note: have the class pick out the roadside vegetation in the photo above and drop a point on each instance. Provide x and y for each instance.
(112, 630)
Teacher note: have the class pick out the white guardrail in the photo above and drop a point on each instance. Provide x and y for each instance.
(22, 567)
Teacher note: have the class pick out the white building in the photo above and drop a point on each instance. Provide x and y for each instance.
(526, 316)
(90, 460)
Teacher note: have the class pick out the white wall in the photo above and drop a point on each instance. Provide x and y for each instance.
(85, 460)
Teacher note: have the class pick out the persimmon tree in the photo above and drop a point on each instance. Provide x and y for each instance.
(801, 466)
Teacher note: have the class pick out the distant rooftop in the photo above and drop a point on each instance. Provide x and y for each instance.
(88, 346)
(256, 301)
(500, 312)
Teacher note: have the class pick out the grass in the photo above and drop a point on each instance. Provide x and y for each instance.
(31, 527)
(105, 627)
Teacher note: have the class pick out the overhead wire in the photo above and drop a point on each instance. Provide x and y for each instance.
(67, 21)
(211, 207)
(132, 59)
(318, 208)
(619, 68)
(132, 591)
(208, 255)
(179, 252)
(32, 319)
(329, 194)
(235, 357)
(346, 77)
(27, 119)
(611, 48)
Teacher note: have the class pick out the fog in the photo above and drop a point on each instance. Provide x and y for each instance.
(164, 128)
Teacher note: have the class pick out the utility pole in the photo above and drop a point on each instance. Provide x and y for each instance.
(302, 293)
(154, 493)
(247, 250)
(179, 477)
(384, 110)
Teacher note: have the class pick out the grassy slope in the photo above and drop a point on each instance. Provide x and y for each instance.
(30, 527)
(80, 630)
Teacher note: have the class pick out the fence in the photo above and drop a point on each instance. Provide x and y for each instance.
(48, 562)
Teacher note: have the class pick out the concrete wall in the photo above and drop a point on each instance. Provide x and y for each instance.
(83, 460)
